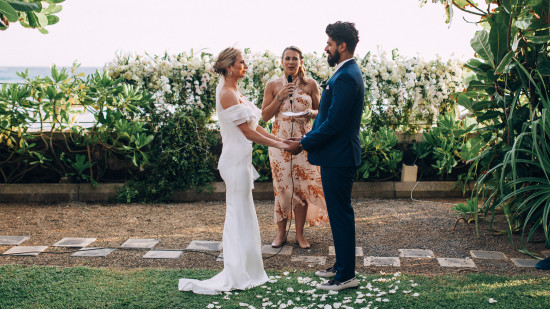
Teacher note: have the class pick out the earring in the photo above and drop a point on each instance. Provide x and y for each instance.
(230, 74)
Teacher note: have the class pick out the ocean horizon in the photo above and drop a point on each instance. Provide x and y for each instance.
(9, 75)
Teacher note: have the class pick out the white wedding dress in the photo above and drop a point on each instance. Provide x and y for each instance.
(242, 256)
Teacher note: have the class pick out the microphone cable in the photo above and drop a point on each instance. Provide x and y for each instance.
(289, 80)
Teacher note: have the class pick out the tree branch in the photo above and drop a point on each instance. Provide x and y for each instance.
(475, 7)
(470, 12)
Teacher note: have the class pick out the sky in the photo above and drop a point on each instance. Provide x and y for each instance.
(93, 31)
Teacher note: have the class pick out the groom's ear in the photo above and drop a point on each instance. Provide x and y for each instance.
(342, 47)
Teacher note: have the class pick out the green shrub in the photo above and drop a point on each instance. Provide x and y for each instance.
(380, 159)
(183, 158)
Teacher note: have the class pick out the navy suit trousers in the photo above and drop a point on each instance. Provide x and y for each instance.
(337, 185)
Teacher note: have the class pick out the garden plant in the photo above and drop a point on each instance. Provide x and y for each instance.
(509, 98)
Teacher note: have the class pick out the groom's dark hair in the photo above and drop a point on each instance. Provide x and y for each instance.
(341, 32)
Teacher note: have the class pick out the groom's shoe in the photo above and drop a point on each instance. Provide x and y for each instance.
(335, 285)
(328, 273)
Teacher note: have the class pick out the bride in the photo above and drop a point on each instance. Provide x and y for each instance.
(238, 119)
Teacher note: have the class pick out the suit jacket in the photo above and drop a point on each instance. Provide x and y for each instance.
(334, 140)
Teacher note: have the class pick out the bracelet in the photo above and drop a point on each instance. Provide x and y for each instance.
(279, 99)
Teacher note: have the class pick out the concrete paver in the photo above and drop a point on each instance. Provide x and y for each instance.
(416, 253)
(74, 242)
(455, 262)
(205, 245)
(524, 262)
(487, 255)
(318, 260)
(26, 250)
(163, 254)
(284, 250)
(13, 240)
(93, 252)
(382, 261)
(358, 251)
(140, 243)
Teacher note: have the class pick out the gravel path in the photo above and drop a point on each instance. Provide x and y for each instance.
(382, 227)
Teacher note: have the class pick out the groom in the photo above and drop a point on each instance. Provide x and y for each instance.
(334, 144)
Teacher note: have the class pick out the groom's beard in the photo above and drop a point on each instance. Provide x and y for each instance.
(333, 59)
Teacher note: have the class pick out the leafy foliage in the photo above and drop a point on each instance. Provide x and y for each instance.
(37, 127)
(379, 156)
(184, 158)
(448, 144)
(36, 14)
(260, 158)
(509, 99)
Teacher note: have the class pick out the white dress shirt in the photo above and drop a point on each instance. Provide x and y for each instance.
(342, 63)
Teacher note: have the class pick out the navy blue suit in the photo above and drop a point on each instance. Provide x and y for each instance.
(334, 144)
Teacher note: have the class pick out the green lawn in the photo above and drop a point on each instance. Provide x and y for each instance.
(81, 287)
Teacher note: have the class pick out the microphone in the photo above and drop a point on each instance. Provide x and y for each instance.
(289, 80)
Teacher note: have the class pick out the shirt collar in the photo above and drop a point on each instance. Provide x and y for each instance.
(342, 63)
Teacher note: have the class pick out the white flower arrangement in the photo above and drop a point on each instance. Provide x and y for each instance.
(404, 94)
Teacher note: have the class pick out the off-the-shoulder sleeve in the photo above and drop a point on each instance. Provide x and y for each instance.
(238, 114)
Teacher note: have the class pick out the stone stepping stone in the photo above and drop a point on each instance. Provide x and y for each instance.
(319, 260)
(358, 251)
(206, 245)
(286, 250)
(163, 254)
(13, 240)
(382, 261)
(140, 243)
(74, 242)
(487, 255)
(454, 262)
(26, 250)
(416, 253)
(525, 262)
(93, 251)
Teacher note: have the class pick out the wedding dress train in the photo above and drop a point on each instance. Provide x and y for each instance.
(242, 256)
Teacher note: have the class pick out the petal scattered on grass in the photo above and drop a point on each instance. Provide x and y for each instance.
(492, 301)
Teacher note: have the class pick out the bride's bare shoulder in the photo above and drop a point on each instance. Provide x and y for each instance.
(228, 98)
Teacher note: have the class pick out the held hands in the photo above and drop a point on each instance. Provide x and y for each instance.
(294, 145)
(282, 145)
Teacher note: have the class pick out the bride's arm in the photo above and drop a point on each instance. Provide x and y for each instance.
(228, 99)
(259, 138)
(263, 132)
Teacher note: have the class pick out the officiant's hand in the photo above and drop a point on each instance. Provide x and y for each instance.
(285, 91)
(294, 145)
(309, 114)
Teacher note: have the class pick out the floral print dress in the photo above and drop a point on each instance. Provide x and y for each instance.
(308, 189)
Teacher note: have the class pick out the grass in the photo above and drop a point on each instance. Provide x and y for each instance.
(81, 287)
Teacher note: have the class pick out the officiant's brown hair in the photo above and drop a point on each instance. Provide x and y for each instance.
(301, 70)
(225, 59)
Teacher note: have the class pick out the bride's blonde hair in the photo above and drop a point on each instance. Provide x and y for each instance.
(225, 59)
(301, 69)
